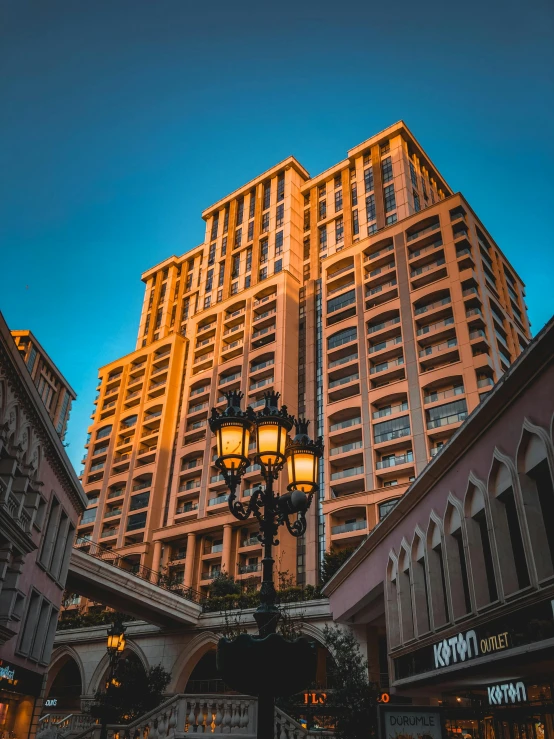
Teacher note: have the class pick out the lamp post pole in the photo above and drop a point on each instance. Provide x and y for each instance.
(233, 428)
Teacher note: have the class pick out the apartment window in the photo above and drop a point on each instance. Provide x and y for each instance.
(386, 507)
(278, 243)
(173, 312)
(354, 193)
(32, 359)
(247, 281)
(391, 219)
(215, 225)
(390, 200)
(417, 205)
(339, 230)
(413, 175)
(385, 148)
(211, 254)
(238, 238)
(321, 191)
(322, 210)
(234, 288)
(307, 219)
(185, 312)
(338, 201)
(390, 483)
(63, 412)
(370, 207)
(240, 211)
(226, 220)
(337, 181)
(139, 501)
(368, 179)
(235, 266)
(219, 297)
(386, 167)
(248, 260)
(306, 248)
(263, 273)
(207, 301)
(323, 238)
(278, 266)
(267, 195)
(252, 209)
(372, 229)
(264, 251)
(209, 280)
(281, 187)
(280, 214)
(265, 223)
(394, 429)
(159, 318)
(424, 189)
(443, 415)
(221, 277)
(136, 521)
(355, 223)
(250, 231)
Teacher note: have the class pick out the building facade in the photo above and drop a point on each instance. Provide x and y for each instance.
(371, 297)
(40, 503)
(56, 393)
(461, 573)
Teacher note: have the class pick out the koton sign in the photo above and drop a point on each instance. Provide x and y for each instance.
(465, 646)
(504, 693)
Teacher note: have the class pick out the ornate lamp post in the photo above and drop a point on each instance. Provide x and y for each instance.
(270, 428)
(115, 647)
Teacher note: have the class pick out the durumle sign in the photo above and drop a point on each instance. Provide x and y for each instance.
(410, 723)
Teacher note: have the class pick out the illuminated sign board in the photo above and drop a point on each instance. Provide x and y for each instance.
(6, 673)
(410, 723)
(465, 646)
(51, 702)
(315, 699)
(505, 693)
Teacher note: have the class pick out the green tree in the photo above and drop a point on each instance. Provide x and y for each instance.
(223, 584)
(132, 693)
(352, 696)
(332, 561)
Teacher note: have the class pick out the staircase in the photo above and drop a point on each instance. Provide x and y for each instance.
(184, 715)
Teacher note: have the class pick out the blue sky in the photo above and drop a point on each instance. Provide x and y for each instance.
(122, 120)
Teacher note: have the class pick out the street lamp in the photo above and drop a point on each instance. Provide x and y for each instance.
(270, 427)
(115, 646)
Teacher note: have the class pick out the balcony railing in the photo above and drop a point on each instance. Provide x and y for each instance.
(451, 392)
(232, 329)
(342, 304)
(142, 485)
(262, 365)
(210, 575)
(230, 378)
(265, 299)
(244, 569)
(189, 485)
(390, 409)
(345, 424)
(450, 344)
(116, 493)
(384, 268)
(197, 425)
(151, 416)
(470, 291)
(216, 478)
(384, 324)
(425, 250)
(346, 527)
(199, 390)
(417, 234)
(265, 314)
(214, 549)
(339, 289)
(341, 271)
(262, 383)
(385, 250)
(346, 448)
(446, 420)
(154, 385)
(474, 312)
(187, 508)
(344, 380)
(395, 461)
(485, 382)
(114, 512)
(349, 472)
(198, 407)
(343, 360)
(203, 358)
(201, 329)
(433, 326)
(380, 288)
(387, 365)
(384, 344)
(333, 343)
(109, 532)
(427, 267)
(217, 501)
(477, 334)
(432, 306)
(251, 541)
(95, 467)
(263, 331)
(390, 435)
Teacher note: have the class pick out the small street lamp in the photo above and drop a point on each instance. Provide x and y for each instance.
(270, 427)
(115, 646)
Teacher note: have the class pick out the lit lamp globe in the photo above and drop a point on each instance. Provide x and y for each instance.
(303, 456)
(272, 428)
(232, 429)
(116, 638)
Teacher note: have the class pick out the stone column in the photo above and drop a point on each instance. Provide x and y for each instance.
(189, 561)
(156, 557)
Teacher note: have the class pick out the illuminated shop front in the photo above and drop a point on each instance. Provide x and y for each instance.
(19, 689)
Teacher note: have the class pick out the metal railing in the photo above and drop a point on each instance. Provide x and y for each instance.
(390, 409)
(383, 344)
(380, 288)
(243, 569)
(346, 448)
(346, 527)
(398, 362)
(375, 254)
(425, 249)
(417, 234)
(446, 420)
(343, 360)
(432, 326)
(432, 306)
(378, 326)
(345, 424)
(432, 397)
(394, 461)
(92, 549)
(349, 472)
(344, 380)
(427, 267)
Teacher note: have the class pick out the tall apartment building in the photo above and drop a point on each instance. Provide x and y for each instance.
(371, 297)
(55, 391)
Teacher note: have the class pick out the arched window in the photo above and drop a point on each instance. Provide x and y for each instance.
(457, 564)
(535, 478)
(393, 629)
(479, 548)
(437, 576)
(405, 593)
(509, 541)
(419, 584)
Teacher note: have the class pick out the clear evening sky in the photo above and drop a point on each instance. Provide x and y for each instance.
(122, 119)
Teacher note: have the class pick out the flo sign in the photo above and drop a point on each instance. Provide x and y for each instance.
(465, 646)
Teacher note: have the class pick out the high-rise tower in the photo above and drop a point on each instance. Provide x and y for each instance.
(371, 297)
